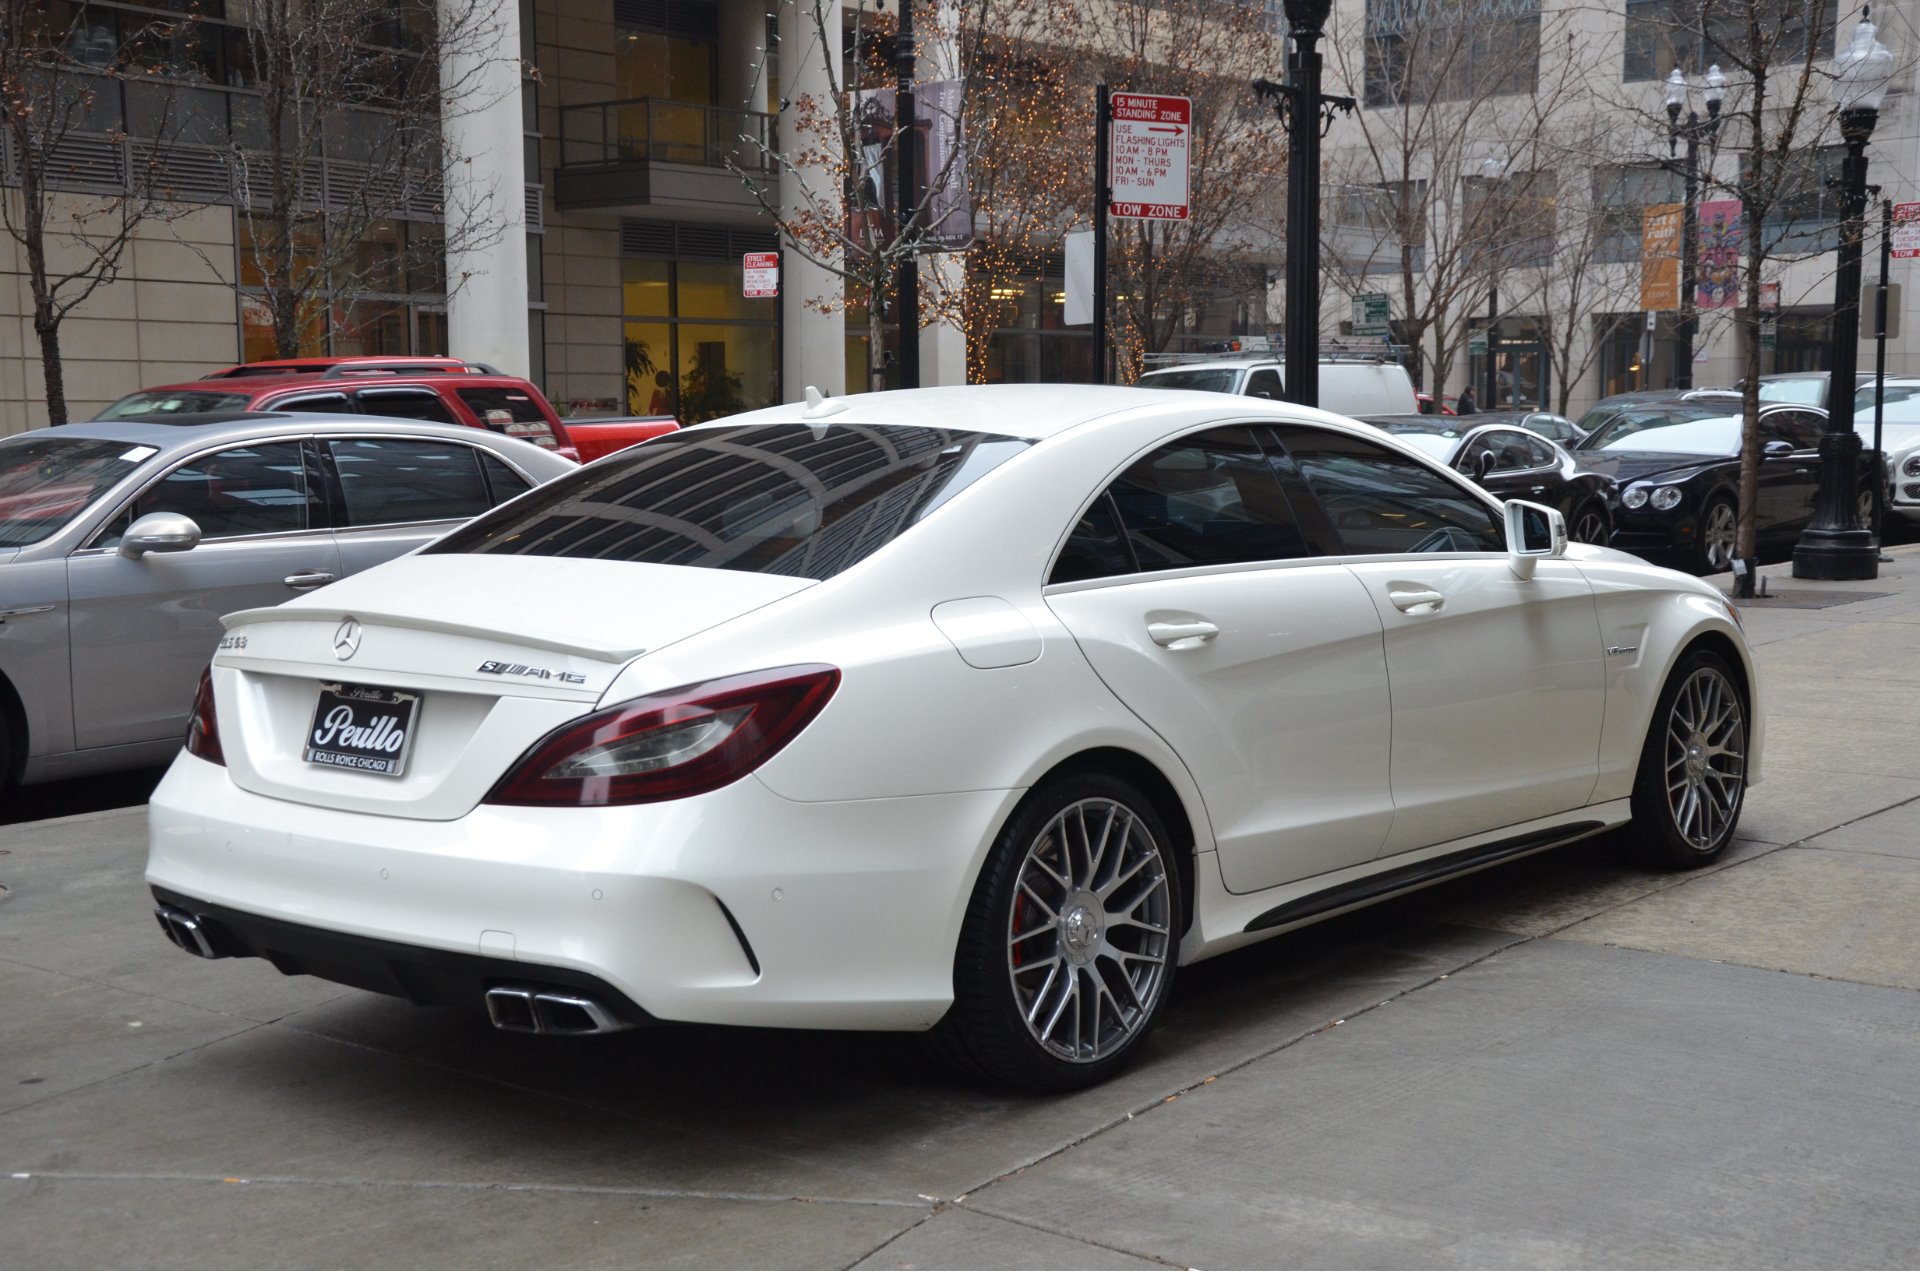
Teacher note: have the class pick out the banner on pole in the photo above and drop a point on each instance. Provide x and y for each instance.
(1722, 234)
(1660, 228)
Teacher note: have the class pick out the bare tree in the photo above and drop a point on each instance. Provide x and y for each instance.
(844, 219)
(348, 132)
(84, 187)
(1446, 182)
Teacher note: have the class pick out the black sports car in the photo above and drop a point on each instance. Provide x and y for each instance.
(1511, 462)
(1675, 463)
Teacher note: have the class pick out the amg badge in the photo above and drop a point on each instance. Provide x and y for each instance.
(531, 672)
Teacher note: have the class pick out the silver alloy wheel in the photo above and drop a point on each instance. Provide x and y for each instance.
(1716, 536)
(1090, 930)
(1706, 758)
(1590, 526)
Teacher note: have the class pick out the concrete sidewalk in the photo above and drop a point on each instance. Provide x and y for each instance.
(1563, 1063)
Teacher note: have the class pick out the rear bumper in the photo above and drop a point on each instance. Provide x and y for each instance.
(736, 907)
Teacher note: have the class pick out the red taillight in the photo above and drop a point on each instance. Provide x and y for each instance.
(203, 727)
(670, 745)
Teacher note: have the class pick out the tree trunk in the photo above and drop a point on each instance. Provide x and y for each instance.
(876, 342)
(56, 376)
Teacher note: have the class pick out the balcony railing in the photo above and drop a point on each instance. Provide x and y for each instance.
(644, 130)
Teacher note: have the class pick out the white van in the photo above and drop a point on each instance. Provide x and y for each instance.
(1348, 386)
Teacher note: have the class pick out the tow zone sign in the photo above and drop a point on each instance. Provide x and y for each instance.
(1147, 172)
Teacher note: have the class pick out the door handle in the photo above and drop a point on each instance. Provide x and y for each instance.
(1181, 635)
(1415, 599)
(1539, 489)
(307, 579)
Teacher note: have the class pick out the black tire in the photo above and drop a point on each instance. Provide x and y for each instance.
(1590, 523)
(1715, 540)
(1692, 780)
(1128, 948)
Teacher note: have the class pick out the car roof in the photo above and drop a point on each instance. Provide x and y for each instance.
(1033, 412)
(191, 431)
(1258, 360)
(257, 385)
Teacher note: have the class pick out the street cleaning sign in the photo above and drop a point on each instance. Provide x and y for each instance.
(1906, 231)
(1147, 171)
(760, 275)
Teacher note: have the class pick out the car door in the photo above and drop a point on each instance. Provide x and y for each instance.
(1497, 684)
(1789, 482)
(393, 493)
(1194, 593)
(143, 629)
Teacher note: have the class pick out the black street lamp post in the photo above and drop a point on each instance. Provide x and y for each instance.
(1307, 113)
(1693, 132)
(1836, 544)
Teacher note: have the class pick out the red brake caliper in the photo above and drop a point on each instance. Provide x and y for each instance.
(1019, 913)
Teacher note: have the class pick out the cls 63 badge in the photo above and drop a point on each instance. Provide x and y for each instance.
(531, 672)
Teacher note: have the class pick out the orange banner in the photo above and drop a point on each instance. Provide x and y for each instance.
(1660, 229)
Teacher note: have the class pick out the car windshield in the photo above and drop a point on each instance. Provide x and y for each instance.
(187, 401)
(1206, 379)
(1802, 390)
(1719, 435)
(806, 501)
(47, 481)
(1621, 425)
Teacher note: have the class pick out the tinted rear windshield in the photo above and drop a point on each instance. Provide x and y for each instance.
(792, 499)
(185, 402)
(47, 481)
(1215, 380)
(1613, 434)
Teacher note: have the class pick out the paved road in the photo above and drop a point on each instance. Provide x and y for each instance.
(1564, 1063)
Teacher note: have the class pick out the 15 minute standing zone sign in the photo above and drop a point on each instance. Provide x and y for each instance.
(1148, 176)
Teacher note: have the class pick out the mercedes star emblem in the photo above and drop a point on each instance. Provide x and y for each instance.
(346, 640)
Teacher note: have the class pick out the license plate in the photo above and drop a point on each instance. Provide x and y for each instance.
(362, 728)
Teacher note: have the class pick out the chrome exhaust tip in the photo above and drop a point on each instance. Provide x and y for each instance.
(523, 1010)
(187, 931)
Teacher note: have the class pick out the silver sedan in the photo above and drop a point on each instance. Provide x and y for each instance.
(121, 544)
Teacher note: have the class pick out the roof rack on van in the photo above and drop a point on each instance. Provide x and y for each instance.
(1330, 350)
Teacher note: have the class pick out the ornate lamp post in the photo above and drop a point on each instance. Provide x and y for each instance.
(1693, 132)
(1836, 545)
(1307, 112)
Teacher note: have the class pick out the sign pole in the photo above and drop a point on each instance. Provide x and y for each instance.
(1880, 367)
(1102, 195)
(906, 158)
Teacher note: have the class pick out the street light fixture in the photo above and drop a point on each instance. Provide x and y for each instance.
(1693, 132)
(1307, 113)
(1835, 544)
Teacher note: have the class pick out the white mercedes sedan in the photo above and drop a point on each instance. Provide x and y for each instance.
(978, 711)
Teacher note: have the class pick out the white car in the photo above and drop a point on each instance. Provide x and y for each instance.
(972, 710)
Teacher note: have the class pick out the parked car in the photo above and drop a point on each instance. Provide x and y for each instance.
(975, 710)
(1676, 465)
(1424, 404)
(1348, 386)
(1555, 428)
(1512, 462)
(122, 543)
(436, 390)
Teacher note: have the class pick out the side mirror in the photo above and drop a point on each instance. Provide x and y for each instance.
(1775, 449)
(1534, 531)
(1482, 465)
(159, 532)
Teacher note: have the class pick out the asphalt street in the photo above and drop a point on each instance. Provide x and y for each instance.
(1565, 1063)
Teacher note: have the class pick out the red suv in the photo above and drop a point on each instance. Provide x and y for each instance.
(443, 390)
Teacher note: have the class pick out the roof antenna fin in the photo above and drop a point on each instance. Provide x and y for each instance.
(819, 406)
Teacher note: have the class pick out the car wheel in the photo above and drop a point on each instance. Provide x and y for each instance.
(1589, 524)
(1693, 768)
(1067, 953)
(1719, 525)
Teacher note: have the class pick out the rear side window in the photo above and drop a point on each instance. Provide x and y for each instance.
(1264, 383)
(510, 411)
(503, 482)
(772, 499)
(1381, 501)
(406, 403)
(1096, 548)
(1208, 499)
(390, 481)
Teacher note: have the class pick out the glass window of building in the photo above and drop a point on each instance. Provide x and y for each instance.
(695, 347)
